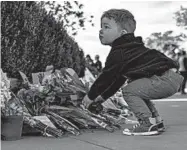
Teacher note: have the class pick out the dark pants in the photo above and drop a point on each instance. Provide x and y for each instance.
(184, 74)
(139, 93)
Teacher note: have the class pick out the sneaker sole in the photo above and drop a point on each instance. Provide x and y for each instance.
(161, 129)
(141, 134)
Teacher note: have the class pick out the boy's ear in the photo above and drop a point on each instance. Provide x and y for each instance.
(123, 32)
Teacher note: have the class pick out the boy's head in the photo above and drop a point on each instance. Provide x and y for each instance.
(115, 23)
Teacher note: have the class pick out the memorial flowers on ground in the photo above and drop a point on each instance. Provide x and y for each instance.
(54, 105)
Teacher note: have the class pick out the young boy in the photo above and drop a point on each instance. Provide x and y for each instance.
(151, 74)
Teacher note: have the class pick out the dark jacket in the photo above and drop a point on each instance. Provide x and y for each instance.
(128, 58)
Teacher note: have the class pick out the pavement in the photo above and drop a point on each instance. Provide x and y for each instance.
(173, 111)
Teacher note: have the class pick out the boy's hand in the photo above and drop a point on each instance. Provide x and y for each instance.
(96, 107)
(86, 101)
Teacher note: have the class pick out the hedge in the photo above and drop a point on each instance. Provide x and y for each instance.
(31, 39)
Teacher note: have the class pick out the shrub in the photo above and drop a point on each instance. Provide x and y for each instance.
(32, 39)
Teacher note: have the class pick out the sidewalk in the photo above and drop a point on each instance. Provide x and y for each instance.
(174, 114)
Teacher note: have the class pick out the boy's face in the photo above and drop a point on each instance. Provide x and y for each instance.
(110, 31)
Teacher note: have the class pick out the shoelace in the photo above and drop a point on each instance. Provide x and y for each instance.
(136, 125)
(140, 123)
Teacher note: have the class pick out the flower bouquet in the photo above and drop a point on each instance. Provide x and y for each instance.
(59, 98)
(33, 101)
(14, 112)
(57, 89)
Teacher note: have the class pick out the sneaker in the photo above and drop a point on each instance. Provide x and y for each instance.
(144, 128)
(160, 126)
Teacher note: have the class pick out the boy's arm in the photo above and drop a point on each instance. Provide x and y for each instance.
(109, 75)
(103, 81)
(113, 88)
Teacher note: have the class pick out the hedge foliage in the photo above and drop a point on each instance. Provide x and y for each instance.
(31, 39)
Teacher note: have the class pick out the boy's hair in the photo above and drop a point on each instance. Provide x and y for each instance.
(122, 17)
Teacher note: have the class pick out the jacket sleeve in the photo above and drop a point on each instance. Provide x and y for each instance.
(109, 76)
(113, 88)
